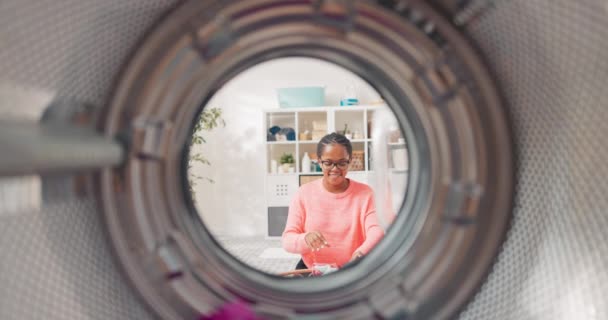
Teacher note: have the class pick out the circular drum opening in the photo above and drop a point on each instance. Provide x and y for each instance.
(256, 142)
(452, 218)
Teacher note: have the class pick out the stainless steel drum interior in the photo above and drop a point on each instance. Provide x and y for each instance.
(502, 101)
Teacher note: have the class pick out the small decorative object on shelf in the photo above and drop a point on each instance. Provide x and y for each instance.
(305, 163)
(272, 131)
(349, 98)
(286, 162)
(286, 134)
(357, 163)
(276, 133)
(305, 136)
(346, 132)
(394, 135)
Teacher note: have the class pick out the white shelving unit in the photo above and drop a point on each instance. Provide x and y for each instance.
(280, 187)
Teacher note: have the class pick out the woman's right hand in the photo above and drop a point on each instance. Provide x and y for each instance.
(315, 241)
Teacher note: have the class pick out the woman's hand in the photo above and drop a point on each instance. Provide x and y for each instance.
(315, 241)
(356, 255)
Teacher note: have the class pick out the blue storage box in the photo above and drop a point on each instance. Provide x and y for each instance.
(301, 97)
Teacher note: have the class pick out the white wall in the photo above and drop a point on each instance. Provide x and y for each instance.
(235, 204)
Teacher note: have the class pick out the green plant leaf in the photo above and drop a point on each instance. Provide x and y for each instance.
(209, 119)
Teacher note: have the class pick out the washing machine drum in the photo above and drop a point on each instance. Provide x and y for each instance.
(501, 102)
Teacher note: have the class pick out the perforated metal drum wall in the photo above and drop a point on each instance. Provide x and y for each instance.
(550, 59)
(74, 48)
(55, 260)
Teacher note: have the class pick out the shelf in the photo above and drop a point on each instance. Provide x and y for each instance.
(391, 170)
(317, 121)
(396, 144)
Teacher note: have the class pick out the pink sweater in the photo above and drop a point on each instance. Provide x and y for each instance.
(347, 220)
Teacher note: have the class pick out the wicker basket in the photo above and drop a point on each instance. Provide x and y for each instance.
(357, 163)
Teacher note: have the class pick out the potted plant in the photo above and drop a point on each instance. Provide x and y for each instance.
(286, 161)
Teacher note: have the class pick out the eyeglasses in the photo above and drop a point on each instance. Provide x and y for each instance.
(328, 165)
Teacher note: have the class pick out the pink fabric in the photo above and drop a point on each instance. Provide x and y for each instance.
(347, 220)
(233, 310)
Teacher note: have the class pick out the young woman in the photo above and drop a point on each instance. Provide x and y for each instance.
(332, 220)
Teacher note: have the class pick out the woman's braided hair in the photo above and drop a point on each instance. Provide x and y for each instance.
(334, 138)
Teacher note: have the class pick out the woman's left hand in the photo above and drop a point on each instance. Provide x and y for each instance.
(356, 255)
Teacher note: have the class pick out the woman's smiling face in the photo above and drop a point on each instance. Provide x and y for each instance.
(334, 153)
